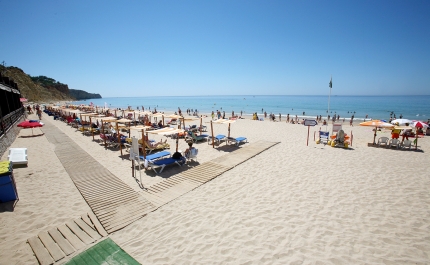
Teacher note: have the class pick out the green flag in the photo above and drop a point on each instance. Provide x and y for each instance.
(330, 84)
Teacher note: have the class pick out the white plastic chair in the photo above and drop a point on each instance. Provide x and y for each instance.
(192, 154)
(407, 144)
(383, 141)
(395, 143)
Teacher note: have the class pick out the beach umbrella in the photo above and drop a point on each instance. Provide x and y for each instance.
(377, 124)
(108, 119)
(118, 133)
(30, 124)
(419, 124)
(141, 128)
(401, 121)
(95, 116)
(220, 121)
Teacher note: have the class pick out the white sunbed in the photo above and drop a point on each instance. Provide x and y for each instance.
(18, 156)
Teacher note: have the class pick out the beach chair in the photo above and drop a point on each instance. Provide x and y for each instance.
(237, 140)
(150, 149)
(18, 156)
(192, 155)
(336, 128)
(218, 139)
(193, 137)
(162, 163)
(394, 143)
(383, 141)
(323, 137)
(151, 157)
(407, 144)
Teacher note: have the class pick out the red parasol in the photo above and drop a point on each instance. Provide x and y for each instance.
(30, 124)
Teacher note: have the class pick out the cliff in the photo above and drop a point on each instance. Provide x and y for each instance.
(80, 94)
(42, 88)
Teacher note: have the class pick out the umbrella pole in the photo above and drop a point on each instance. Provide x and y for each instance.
(229, 131)
(416, 138)
(91, 127)
(118, 135)
(129, 129)
(177, 141)
(212, 130)
(163, 119)
(143, 144)
(374, 136)
(201, 125)
(103, 129)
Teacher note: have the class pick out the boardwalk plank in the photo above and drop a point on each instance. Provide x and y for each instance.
(61, 241)
(79, 233)
(51, 246)
(71, 237)
(97, 224)
(91, 232)
(39, 249)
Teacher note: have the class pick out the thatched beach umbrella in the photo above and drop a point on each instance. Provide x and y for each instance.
(141, 128)
(118, 133)
(95, 116)
(108, 119)
(175, 131)
(219, 121)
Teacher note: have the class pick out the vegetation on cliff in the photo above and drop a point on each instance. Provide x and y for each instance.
(43, 88)
(80, 94)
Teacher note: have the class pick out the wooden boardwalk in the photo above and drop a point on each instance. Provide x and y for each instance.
(53, 245)
(114, 203)
(179, 184)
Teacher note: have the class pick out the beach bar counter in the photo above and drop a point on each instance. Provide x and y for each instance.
(8, 190)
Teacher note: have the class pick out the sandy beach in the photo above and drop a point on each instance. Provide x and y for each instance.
(291, 204)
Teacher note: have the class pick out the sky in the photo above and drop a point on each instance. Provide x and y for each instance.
(223, 47)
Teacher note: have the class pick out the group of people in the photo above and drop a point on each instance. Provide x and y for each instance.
(37, 108)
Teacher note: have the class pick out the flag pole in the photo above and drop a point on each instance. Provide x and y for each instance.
(330, 86)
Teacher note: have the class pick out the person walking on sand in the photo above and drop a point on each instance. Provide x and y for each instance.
(39, 113)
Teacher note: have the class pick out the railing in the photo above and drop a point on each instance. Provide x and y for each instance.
(10, 119)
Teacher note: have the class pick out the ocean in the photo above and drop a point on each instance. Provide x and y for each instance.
(375, 107)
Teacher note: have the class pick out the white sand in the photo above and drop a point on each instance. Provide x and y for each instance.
(292, 204)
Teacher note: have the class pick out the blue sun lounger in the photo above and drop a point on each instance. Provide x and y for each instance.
(218, 139)
(156, 155)
(165, 162)
(237, 140)
(153, 157)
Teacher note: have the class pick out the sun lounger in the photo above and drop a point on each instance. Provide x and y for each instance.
(18, 156)
(237, 140)
(162, 163)
(218, 139)
(162, 146)
(193, 137)
(152, 157)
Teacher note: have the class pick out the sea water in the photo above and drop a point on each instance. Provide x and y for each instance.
(375, 107)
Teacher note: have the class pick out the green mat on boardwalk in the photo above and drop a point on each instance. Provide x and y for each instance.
(105, 252)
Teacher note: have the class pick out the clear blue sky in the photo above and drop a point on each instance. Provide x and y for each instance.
(154, 48)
